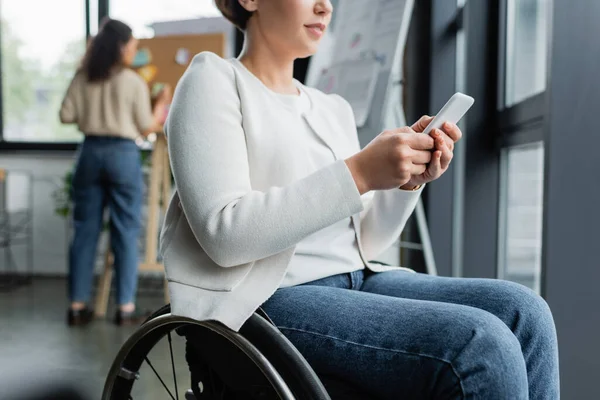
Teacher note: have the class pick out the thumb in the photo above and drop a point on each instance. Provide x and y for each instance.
(422, 123)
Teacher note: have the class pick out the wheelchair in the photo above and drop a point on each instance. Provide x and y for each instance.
(258, 363)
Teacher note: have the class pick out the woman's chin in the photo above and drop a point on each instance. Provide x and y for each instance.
(308, 50)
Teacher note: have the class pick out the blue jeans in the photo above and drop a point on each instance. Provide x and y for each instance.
(108, 173)
(412, 336)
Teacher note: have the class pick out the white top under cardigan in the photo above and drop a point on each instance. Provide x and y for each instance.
(246, 196)
(334, 249)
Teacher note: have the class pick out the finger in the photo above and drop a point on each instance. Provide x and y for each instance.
(447, 139)
(418, 141)
(418, 169)
(421, 156)
(422, 123)
(452, 131)
(404, 129)
(446, 153)
(435, 166)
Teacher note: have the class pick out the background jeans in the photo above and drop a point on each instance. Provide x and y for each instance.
(403, 335)
(108, 173)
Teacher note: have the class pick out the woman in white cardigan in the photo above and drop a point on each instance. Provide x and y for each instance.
(277, 206)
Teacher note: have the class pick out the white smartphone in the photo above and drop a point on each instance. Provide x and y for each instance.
(453, 111)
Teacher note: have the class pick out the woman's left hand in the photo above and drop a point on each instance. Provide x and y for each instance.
(442, 155)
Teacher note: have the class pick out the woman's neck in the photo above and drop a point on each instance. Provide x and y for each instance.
(276, 72)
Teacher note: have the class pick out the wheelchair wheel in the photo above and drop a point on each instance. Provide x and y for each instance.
(257, 363)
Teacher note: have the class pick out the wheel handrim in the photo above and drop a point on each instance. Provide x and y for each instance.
(161, 326)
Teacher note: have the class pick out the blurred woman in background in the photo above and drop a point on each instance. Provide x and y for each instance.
(110, 103)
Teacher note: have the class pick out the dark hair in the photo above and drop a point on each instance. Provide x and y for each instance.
(104, 51)
(234, 12)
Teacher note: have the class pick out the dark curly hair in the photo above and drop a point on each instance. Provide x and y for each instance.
(104, 51)
(234, 12)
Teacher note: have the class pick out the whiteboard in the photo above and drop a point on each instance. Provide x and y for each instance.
(361, 60)
(364, 33)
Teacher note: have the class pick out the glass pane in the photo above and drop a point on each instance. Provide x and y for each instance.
(140, 14)
(526, 47)
(522, 195)
(93, 17)
(39, 58)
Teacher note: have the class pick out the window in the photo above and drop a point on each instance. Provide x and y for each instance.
(39, 55)
(521, 115)
(141, 14)
(526, 49)
(521, 214)
(94, 14)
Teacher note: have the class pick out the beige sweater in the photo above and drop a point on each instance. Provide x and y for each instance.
(118, 106)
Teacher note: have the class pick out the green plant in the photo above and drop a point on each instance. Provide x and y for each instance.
(63, 202)
(63, 198)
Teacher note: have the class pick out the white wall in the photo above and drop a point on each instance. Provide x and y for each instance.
(50, 233)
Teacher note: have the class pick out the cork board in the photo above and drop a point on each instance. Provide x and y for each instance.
(162, 54)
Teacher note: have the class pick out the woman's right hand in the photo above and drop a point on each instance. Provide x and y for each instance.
(391, 159)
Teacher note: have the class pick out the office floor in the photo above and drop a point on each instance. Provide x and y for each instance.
(37, 346)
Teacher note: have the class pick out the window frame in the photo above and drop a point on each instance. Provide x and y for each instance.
(487, 130)
(503, 215)
(523, 123)
(6, 146)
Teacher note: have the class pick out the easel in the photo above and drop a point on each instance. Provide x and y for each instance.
(394, 116)
(159, 191)
(388, 103)
(425, 246)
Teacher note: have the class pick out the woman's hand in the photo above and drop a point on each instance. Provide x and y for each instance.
(442, 156)
(450, 132)
(391, 160)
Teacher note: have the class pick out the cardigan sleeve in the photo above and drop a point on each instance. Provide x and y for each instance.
(382, 224)
(386, 211)
(233, 223)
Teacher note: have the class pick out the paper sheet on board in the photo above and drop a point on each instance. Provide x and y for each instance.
(355, 81)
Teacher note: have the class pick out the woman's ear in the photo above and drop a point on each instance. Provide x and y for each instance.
(123, 54)
(127, 55)
(249, 5)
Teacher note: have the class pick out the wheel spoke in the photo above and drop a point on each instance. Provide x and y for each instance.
(159, 378)
(173, 366)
